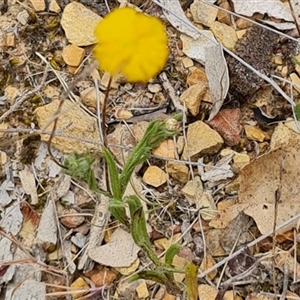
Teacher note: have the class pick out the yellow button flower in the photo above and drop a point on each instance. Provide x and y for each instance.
(131, 43)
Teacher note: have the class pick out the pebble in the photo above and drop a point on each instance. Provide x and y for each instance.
(102, 277)
(165, 149)
(240, 160)
(79, 24)
(203, 13)
(196, 76)
(225, 34)
(193, 188)
(255, 133)
(73, 55)
(178, 171)
(240, 33)
(223, 16)
(72, 221)
(142, 290)
(79, 284)
(38, 5)
(54, 7)
(154, 87)
(187, 62)
(192, 97)
(296, 80)
(10, 40)
(89, 97)
(201, 140)
(11, 93)
(154, 176)
(23, 17)
(3, 126)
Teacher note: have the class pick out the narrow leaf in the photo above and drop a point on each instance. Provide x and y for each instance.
(191, 271)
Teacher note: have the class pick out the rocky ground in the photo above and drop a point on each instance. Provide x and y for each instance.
(225, 188)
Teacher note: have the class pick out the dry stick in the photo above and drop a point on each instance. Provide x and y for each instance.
(222, 262)
(103, 112)
(294, 16)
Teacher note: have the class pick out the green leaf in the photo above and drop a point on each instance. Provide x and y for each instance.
(113, 174)
(297, 111)
(150, 275)
(80, 167)
(138, 227)
(117, 209)
(191, 271)
(171, 252)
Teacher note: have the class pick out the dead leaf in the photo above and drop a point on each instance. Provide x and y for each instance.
(274, 8)
(227, 124)
(174, 6)
(120, 251)
(218, 77)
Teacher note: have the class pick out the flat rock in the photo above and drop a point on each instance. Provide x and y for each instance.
(225, 34)
(53, 6)
(155, 176)
(192, 97)
(73, 55)
(74, 122)
(201, 140)
(240, 160)
(203, 13)
(178, 171)
(89, 97)
(195, 48)
(296, 80)
(79, 24)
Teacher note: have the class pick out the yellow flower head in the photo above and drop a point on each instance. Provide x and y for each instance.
(131, 43)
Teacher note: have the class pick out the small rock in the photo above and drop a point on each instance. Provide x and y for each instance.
(198, 75)
(225, 34)
(10, 40)
(178, 171)
(38, 5)
(255, 133)
(23, 17)
(154, 88)
(158, 98)
(207, 206)
(278, 61)
(243, 23)
(117, 79)
(89, 97)
(296, 80)
(73, 55)
(155, 176)
(240, 33)
(227, 124)
(53, 6)
(74, 121)
(102, 277)
(169, 297)
(203, 13)
(201, 140)
(180, 263)
(73, 219)
(165, 149)
(240, 160)
(192, 190)
(195, 49)
(187, 62)
(11, 93)
(223, 16)
(192, 97)
(284, 136)
(126, 271)
(207, 262)
(284, 71)
(79, 284)
(180, 144)
(142, 290)
(79, 24)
